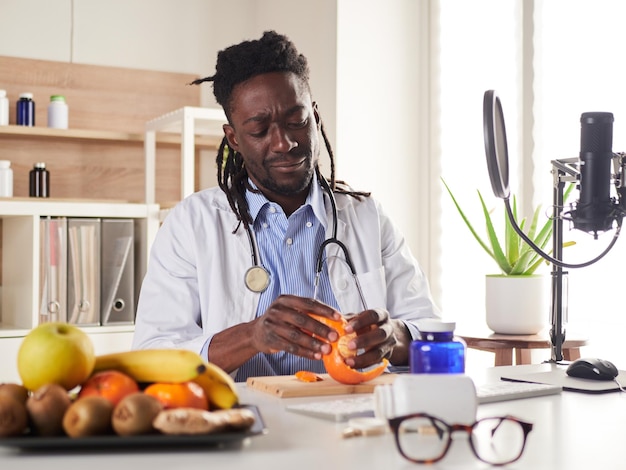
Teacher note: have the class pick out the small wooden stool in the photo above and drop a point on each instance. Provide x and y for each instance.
(504, 345)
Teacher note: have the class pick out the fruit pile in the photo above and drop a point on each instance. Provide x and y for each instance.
(67, 390)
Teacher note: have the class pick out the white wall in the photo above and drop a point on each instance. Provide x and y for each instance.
(174, 36)
(144, 34)
(383, 82)
(364, 55)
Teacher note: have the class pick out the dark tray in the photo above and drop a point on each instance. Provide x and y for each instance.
(151, 441)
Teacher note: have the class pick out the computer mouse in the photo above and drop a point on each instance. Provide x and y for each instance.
(592, 368)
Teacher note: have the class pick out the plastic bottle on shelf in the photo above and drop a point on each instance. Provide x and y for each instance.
(4, 108)
(437, 351)
(6, 179)
(25, 110)
(58, 112)
(39, 181)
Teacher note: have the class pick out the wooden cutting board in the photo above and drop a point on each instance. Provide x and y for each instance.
(286, 386)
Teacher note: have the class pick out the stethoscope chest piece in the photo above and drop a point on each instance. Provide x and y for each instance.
(257, 278)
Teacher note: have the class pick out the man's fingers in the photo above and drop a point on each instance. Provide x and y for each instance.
(366, 319)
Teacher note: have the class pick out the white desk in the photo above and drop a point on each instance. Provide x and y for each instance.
(571, 431)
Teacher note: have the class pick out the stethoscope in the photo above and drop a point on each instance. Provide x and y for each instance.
(257, 278)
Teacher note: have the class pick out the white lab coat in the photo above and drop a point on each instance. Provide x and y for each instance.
(194, 286)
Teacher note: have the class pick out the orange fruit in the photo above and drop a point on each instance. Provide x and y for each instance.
(342, 345)
(179, 395)
(335, 361)
(110, 384)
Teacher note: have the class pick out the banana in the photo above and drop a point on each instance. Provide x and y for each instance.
(218, 386)
(154, 365)
(174, 365)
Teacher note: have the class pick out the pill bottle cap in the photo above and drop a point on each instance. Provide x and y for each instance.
(5, 164)
(28, 96)
(433, 325)
(40, 165)
(3, 93)
(57, 98)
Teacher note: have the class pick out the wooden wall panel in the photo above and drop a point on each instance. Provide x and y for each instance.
(102, 98)
(92, 170)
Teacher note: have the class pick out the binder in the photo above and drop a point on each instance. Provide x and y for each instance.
(52, 271)
(118, 271)
(83, 271)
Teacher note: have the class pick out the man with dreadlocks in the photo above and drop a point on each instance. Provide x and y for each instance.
(273, 205)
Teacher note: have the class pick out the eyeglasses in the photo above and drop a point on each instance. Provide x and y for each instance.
(422, 438)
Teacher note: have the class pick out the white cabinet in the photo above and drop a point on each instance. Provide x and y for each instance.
(21, 236)
(21, 252)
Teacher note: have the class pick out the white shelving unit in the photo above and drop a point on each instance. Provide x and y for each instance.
(192, 127)
(189, 122)
(21, 247)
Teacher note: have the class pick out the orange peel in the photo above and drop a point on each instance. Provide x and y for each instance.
(307, 376)
(335, 361)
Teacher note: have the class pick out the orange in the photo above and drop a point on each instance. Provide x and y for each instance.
(179, 395)
(335, 362)
(110, 384)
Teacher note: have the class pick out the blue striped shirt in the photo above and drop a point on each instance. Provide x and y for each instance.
(288, 248)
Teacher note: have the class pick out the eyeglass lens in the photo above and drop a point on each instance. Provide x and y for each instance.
(498, 440)
(494, 440)
(423, 438)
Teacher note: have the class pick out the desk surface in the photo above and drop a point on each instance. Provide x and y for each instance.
(571, 431)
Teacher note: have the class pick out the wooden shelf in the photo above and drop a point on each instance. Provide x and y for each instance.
(203, 142)
(74, 208)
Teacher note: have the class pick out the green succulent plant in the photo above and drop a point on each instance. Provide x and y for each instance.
(513, 255)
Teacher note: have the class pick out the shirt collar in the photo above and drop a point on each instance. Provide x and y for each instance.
(315, 199)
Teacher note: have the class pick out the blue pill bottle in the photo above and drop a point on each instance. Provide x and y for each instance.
(25, 110)
(437, 351)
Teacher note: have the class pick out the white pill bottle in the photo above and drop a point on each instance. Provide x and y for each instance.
(58, 112)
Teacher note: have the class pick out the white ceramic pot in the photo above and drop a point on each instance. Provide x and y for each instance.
(517, 305)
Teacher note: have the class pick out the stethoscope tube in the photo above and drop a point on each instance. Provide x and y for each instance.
(339, 243)
(257, 278)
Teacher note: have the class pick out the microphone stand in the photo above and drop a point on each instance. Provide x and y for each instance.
(565, 170)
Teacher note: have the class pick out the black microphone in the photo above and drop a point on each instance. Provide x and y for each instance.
(594, 209)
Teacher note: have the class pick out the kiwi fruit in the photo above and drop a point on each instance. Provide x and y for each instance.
(88, 416)
(46, 407)
(13, 416)
(17, 391)
(134, 414)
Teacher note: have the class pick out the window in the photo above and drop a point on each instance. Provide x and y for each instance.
(577, 67)
(475, 56)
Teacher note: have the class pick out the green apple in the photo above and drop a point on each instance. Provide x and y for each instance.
(55, 353)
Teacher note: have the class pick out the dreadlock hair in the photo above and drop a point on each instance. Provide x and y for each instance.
(236, 64)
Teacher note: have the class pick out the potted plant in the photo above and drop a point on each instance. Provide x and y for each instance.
(516, 298)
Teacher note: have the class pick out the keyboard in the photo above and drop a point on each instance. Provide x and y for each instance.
(362, 405)
(341, 409)
(505, 390)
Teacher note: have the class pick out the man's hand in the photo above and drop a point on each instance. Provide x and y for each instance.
(286, 326)
(378, 337)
